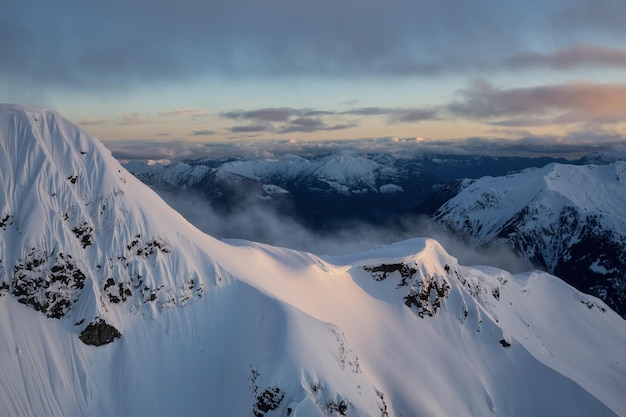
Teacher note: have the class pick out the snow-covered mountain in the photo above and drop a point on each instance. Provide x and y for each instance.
(320, 190)
(342, 174)
(569, 219)
(113, 304)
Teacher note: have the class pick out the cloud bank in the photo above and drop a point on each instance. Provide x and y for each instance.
(572, 103)
(111, 44)
(573, 146)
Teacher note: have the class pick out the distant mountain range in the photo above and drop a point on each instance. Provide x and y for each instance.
(111, 303)
(325, 190)
(586, 249)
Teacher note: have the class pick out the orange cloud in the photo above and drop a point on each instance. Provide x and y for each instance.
(578, 102)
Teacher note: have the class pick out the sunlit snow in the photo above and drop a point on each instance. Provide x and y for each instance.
(246, 329)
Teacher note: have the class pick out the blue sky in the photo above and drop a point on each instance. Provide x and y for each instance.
(245, 70)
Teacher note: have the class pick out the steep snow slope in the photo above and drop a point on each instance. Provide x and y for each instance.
(569, 219)
(85, 242)
(207, 327)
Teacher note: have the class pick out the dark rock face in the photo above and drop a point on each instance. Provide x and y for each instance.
(579, 249)
(268, 400)
(5, 220)
(84, 233)
(424, 292)
(48, 283)
(98, 333)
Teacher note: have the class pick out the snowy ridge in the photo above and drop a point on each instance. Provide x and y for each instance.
(171, 173)
(491, 202)
(342, 173)
(73, 220)
(569, 219)
(241, 328)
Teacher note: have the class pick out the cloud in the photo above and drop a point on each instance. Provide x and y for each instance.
(203, 132)
(186, 112)
(158, 40)
(572, 145)
(569, 58)
(571, 103)
(397, 115)
(560, 104)
(283, 120)
(600, 17)
(250, 128)
(255, 220)
(278, 114)
(308, 125)
(146, 149)
(414, 115)
(368, 111)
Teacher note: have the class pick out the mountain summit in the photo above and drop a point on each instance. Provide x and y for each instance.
(569, 219)
(111, 303)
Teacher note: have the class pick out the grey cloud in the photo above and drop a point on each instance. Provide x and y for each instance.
(314, 126)
(283, 120)
(397, 115)
(274, 114)
(203, 132)
(583, 17)
(114, 43)
(415, 115)
(367, 111)
(311, 120)
(307, 122)
(573, 57)
(524, 122)
(250, 128)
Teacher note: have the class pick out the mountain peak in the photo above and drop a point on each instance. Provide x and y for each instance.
(77, 227)
(112, 304)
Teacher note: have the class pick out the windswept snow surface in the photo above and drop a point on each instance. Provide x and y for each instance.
(245, 329)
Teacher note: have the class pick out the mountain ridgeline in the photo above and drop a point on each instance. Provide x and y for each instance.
(112, 303)
(569, 219)
(566, 217)
(326, 190)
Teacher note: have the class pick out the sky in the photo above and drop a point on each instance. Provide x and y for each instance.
(152, 72)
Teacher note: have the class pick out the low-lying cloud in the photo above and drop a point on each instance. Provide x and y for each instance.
(260, 223)
(572, 146)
